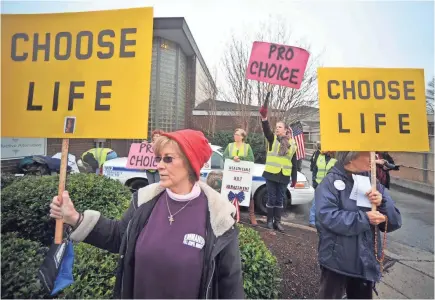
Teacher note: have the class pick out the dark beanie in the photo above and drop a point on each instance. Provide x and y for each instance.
(194, 145)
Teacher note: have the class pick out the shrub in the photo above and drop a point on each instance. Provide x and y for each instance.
(261, 275)
(94, 274)
(7, 179)
(20, 262)
(93, 271)
(25, 202)
(256, 140)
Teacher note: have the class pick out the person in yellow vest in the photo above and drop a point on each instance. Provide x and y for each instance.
(153, 175)
(325, 161)
(281, 166)
(96, 157)
(238, 151)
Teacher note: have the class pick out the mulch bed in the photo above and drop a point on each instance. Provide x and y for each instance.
(296, 252)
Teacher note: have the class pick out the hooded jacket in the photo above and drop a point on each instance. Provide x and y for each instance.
(222, 271)
(346, 238)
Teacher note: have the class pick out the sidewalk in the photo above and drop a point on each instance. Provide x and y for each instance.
(411, 276)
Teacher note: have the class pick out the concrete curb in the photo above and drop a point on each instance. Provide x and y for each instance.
(416, 187)
(294, 225)
(289, 224)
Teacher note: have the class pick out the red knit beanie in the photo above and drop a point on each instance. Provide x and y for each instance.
(194, 145)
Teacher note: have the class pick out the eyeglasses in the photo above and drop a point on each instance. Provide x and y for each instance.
(166, 159)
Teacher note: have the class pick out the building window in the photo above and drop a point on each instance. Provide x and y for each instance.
(168, 86)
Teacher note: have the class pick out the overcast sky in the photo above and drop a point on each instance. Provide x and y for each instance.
(353, 33)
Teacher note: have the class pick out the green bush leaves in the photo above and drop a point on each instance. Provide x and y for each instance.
(25, 208)
(25, 202)
(261, 275)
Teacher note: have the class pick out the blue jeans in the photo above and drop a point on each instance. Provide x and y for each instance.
(313, 213)
(152, 177)
(275, 194)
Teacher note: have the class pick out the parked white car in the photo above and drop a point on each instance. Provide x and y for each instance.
(302, 193)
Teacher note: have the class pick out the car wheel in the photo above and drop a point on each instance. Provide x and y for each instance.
(137, 184)
(261, 200)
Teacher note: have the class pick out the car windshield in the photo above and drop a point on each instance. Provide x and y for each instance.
(219, 150)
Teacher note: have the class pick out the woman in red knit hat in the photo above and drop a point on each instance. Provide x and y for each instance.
(177, 239)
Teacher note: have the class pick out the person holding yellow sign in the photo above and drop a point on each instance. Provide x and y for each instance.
(350, 245)
(177, 239)
(239, 151)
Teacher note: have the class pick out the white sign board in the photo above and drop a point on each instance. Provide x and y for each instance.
(13, 148)
(237, 181)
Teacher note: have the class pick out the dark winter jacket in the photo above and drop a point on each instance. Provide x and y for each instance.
(222, 272)
(346, 238)
(313, 160)
(382, 172)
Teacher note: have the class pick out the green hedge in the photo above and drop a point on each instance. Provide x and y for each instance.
(7, 179)
(25, 202)
(261, 274)
(25, 208)
(256, 140)
(25, 205)
(20, 262)
(94, 273)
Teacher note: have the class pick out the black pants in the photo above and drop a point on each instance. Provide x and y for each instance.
(333, 286)
(275, 194)
(299, 165)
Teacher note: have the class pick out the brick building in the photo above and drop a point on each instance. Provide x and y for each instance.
(178, 71)
(226, 116)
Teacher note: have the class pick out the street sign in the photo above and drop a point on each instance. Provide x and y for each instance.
(13, 148)
(372, 109)
(76, 75)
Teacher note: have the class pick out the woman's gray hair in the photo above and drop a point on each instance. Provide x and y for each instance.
(345, 157)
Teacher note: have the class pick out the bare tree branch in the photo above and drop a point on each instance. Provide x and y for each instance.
(286, 103)
(430, 96)
(207, 88)
(239, 88)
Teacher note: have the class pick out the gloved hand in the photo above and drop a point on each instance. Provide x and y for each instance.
(293, 184)
(263, 112)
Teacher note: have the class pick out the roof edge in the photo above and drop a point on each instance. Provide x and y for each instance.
(180, 22)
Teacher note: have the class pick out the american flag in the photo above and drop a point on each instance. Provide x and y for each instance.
(298, 135)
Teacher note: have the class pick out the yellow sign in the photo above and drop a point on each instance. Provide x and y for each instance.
(364, 109)
(76, 75)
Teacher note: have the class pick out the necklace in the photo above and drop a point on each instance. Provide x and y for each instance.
(171, 216)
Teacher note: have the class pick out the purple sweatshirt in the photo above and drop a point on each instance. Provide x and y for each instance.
(169, 258)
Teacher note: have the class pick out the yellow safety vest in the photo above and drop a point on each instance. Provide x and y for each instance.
(276, 163)
(100, 154)
(242, 152)
(322, 167)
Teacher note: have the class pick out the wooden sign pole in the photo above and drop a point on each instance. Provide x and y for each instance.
(373, 174)
(58, 234)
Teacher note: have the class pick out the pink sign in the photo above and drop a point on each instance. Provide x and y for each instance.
(277, 64)
(141, 156)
